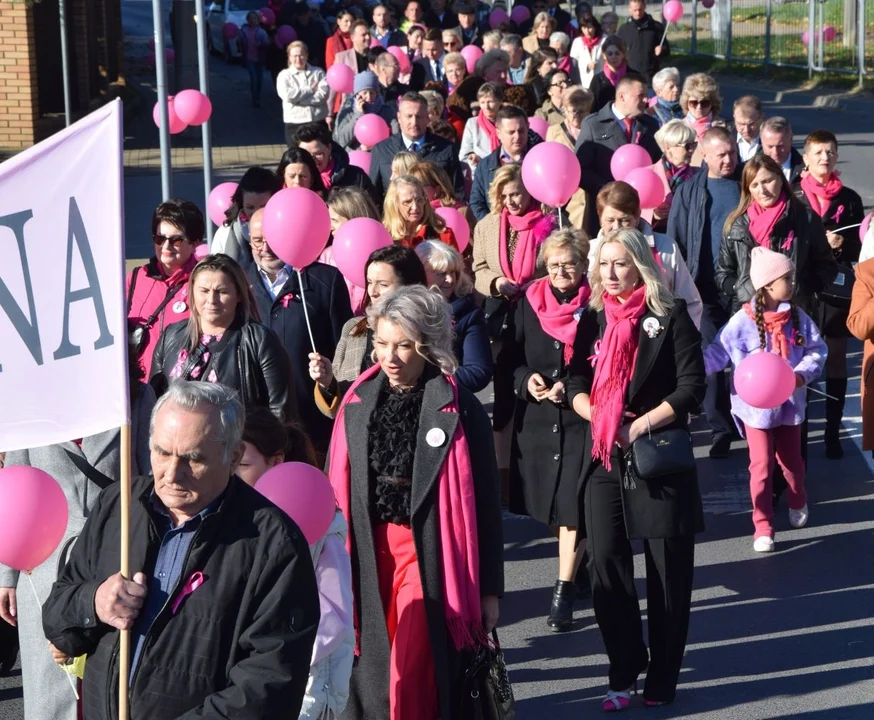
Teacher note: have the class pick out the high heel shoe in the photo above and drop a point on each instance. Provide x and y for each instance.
(615, 701)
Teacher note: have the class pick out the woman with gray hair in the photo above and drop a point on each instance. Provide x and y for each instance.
(637, 370)
(678, 144)
(493, 67)
(561, 43)
(666, 86)
(427, 548)
(480, 136)
(547, 447)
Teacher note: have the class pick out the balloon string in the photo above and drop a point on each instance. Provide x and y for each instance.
(36, 597)
(820, 392)
(846, 227)
(665, 33)
(306, 315)
(559, 219)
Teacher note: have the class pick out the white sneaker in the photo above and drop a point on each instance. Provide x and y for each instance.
(763, 544)
(798, 518)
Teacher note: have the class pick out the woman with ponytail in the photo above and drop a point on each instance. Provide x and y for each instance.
(636, 369)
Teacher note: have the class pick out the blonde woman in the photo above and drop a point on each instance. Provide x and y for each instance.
(542, 28)
(409, 217)
(402, 162)
(701, 104)
(637, 368)
(438, 189)
(678, 144)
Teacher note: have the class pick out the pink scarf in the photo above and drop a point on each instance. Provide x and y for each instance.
(613, 370)
(762, 221)
(564, 64)
(818, 195)
(489, 128)
(614, 76)
(590, 42)
(456, 508)
(326, 175)
(558, 320)
(533, 228)
(774, 322)
(699, 125)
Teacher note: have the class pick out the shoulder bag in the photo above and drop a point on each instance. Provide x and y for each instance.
(659, 455)
(839, 293)
(137, 332)
(486, 690)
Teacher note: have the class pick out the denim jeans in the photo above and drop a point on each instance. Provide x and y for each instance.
(256, 75)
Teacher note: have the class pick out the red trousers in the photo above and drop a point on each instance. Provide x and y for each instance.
(784, 442)
(412, 678)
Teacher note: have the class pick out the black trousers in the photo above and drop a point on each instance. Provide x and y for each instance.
(669, 569)
(717, 401)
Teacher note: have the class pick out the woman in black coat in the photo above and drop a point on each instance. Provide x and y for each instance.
(546, 454)
(413, 469)
(222, 343)
(648, 375)
(603, 86)
(838, 207)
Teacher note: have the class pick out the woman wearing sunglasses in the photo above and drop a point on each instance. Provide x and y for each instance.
(701, 105)
(157, 293)
(678, 145)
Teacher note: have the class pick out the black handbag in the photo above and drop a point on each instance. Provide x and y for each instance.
(659, 454)
(839, 293)
(486, 690)
(138, 332)
(497, 312)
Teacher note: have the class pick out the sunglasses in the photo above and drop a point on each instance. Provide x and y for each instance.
(689, 147)
(174, 240)
(699, 103)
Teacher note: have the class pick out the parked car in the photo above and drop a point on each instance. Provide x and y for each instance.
(220, 12)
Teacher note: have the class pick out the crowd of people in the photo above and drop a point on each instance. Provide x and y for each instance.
(601, 325)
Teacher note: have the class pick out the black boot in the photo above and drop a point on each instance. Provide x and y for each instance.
(8, 648)
(561, 614)
(834, 412)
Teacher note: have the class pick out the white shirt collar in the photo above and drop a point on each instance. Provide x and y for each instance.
(274, 287)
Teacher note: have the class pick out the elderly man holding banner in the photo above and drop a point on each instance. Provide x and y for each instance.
(223, 607)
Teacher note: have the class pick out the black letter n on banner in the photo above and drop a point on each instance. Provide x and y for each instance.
(28, 330)
(77, 232)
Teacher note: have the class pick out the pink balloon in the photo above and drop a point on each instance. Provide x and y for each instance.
(220, 199)
(627, 158)
(829, 33)
(33, 517)
(764, 380)
(267, 16)
(863, 228)
(285, 35)
(520, 14)
(497, 18)
(341, 78)
(201, 251)
(538, 125)
(374, 42)
(708, 3)
(296, 226)
(458, 224)
(805, 37)
(404, 59)
(551, 173)
(175, 123)
(649, 186)
(354, 241)
(673, 11)
(192, 107)
(303, 493)
(230, 30)
(471, 54)
(371, 129)
(360, 159)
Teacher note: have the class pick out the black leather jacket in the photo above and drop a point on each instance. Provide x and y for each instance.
(249, 358)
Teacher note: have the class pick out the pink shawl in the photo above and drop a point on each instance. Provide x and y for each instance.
(818, 195)
(558, 320)
(533, 228)
(456, 507)
(614, 76)
(490, 129)
(699, 125)
(763, 220)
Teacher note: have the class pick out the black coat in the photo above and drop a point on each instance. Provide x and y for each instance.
(603, 91)
(432, 20)
(472, 345)
(641, 38)
(249, 359)
(547, 451)
(347, 175)
(815, 265)
(435, 149)
(240, 646)
(369, 689)
(600, 136)
(327, 299)
(668, 368)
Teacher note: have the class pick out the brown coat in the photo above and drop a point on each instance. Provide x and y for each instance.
(578, 204)
(486, 254)
(861, 324)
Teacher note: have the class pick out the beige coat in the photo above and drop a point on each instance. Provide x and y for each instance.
(486, 254)
(346, 366)
(578, 204)
(861, 324)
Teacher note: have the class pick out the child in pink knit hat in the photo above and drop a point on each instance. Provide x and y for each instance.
(772, 323)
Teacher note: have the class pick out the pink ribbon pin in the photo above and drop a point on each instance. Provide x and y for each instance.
(838, 213)
(195, 581)
(287, 300)
(596, 348)
(787, 244)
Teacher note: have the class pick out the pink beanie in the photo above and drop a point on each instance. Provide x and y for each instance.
(766, 266)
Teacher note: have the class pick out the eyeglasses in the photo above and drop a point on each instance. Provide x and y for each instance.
(555, 268)
(174, 240)
(560, 83)
(689, 146)
(692, 102)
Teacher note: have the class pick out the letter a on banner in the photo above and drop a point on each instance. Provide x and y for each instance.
(63, 354)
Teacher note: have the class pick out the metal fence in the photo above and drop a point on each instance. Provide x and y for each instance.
(815, 35)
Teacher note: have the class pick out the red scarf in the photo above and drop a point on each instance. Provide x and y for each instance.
(762, 221)
(564, 64)
(530, 227)
(326, 175)
(456, 509)
(818, 195)
(613, 370)
(558, 320)
(590, 42)
(426, 232)
(489, 128)
(614, 76)
(774, 323)
(699, 125)
(344, 40)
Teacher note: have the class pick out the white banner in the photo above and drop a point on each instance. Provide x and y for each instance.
(63, 335)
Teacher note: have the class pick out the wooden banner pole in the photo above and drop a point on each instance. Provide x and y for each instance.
(124, 644)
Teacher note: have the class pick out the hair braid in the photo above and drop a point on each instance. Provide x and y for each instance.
(759, 304)
(797, 337)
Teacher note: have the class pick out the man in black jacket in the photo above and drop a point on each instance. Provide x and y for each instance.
(414, 137)
(223, 606)
(624, 121)
(316, 139)
(776, 142)
(279, 296)
(643, 36)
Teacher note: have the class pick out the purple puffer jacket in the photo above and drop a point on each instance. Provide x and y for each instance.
(739, 338)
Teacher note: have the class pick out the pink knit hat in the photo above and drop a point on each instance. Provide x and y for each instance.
(766, 266)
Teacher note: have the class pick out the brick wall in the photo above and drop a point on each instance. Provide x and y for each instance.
(18, 79)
